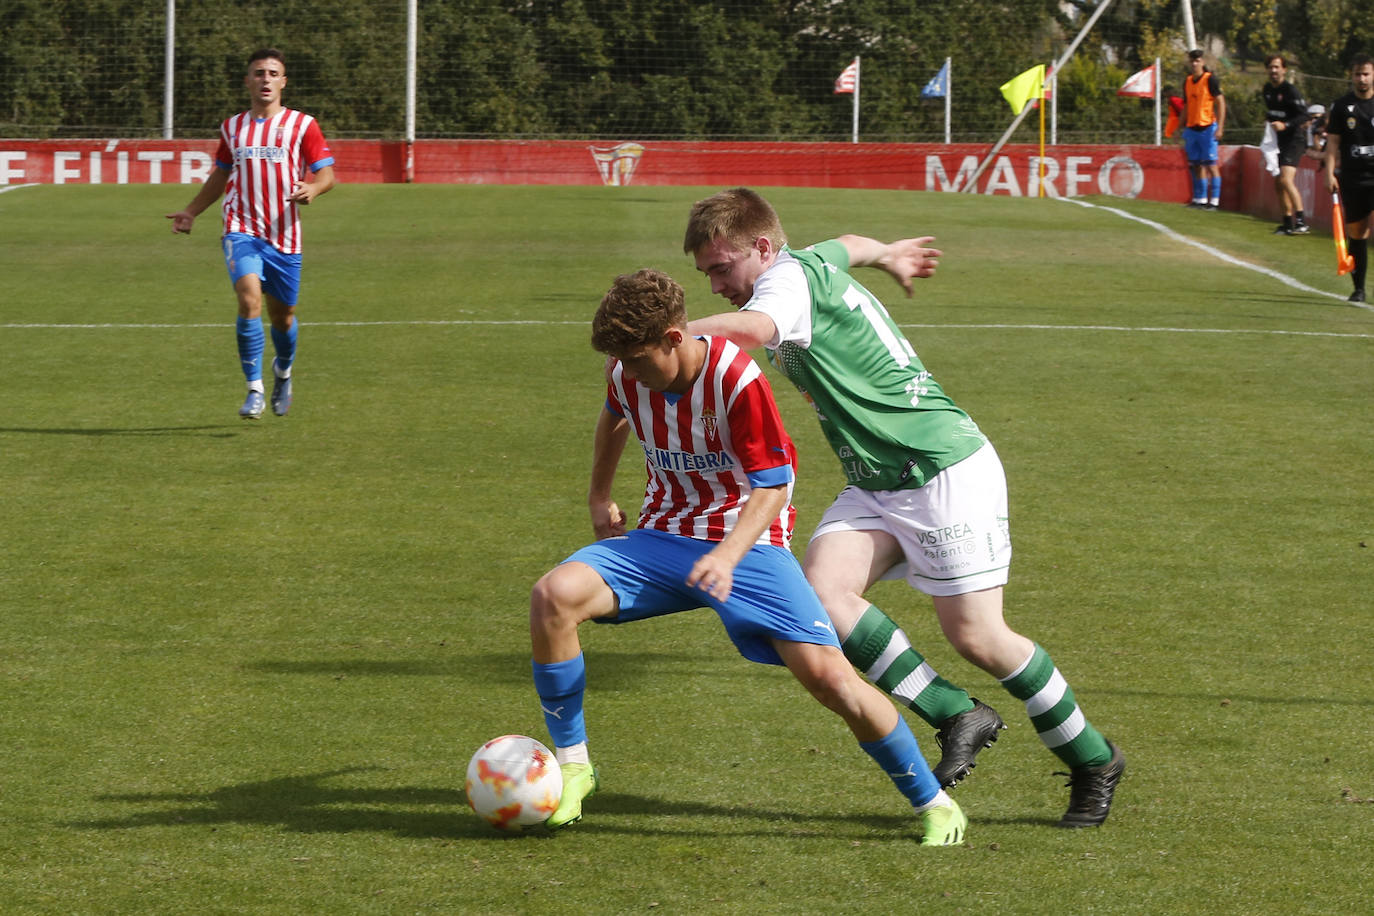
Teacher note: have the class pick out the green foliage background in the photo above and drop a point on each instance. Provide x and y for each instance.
(632, 68)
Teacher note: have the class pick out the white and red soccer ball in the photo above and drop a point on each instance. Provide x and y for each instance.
(514, 782)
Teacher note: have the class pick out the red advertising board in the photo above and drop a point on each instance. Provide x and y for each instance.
(1148, 172)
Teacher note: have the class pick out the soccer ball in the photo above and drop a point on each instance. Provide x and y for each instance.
(514, 782)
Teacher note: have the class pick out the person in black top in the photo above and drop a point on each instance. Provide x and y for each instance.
(1287, 114)
(1350, 147)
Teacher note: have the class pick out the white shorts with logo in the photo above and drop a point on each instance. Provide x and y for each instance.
(953, 531)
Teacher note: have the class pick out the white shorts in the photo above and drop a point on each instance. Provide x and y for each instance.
(953, 531)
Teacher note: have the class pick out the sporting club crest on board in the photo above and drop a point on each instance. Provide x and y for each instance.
(617, 164)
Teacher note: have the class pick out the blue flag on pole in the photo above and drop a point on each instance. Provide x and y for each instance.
(938, 87)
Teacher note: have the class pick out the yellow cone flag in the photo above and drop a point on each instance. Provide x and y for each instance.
(1021, 89)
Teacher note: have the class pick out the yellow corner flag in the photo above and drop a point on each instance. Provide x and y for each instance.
(1021, 89)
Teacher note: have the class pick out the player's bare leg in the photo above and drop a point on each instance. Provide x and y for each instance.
(975, 626)
(248, 290)
(563, 599)
(284, 333)
(882, 732)
(842, 566)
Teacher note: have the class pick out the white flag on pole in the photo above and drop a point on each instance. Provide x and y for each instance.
(1139, 85)
(847, 79)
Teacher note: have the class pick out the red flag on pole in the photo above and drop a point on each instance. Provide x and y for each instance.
(847, 79)
(1139, 85)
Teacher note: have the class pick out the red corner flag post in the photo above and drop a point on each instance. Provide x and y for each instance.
(1139, 85)
(848, 82)
(1344, 262)
(1144, 84)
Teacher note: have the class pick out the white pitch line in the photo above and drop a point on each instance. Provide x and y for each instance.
(16, 187)
(1217, 253)
(1159, 227)
(313, 324)
(928, 327)
(1150, 330)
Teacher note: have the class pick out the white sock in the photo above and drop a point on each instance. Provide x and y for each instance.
(576, 753)
(941, 800)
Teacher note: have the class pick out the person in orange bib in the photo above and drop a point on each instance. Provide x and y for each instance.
(1204, 122)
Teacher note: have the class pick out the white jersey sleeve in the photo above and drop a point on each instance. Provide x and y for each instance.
(781, 293)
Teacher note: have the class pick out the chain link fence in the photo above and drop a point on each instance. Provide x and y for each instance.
(582, 69)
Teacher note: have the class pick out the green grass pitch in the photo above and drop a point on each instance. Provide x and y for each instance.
(243, 665)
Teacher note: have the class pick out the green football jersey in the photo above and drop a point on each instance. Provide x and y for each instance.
(887, 419)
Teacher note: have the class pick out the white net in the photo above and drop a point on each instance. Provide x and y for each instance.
(625, 69)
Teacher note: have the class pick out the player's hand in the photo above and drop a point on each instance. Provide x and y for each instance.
(181, 222)
(607, 520)
(302, 193)
(907, 259)
(714, 575)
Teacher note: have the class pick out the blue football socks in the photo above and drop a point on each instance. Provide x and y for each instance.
(284, 342)
(901, 760)
(251, 343)
(561, 687)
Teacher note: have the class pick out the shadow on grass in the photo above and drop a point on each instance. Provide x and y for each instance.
(607, 670)
(1231, 699)
(308, 804)
(219, 431)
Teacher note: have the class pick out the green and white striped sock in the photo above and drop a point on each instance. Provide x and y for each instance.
(1054, 712)
(879, 648)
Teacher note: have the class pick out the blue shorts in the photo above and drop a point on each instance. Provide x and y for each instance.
(771, 598)
(280, 273)
(1200, 144)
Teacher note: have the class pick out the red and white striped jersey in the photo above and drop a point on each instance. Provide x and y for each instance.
(265, 158)
(706, 449)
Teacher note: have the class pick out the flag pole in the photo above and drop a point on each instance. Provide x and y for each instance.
(972, 185)
(1053, 93)
(1041, 182)
(949, 91)
(857, 74)
(1157, 91)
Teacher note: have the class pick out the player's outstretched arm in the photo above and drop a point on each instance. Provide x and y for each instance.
(905, 259)
(747, 329)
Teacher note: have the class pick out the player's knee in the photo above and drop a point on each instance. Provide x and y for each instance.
(565, 597)
(832, 685)
(843, 601)
(250, 305)
(974, 651)
(552, 601)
